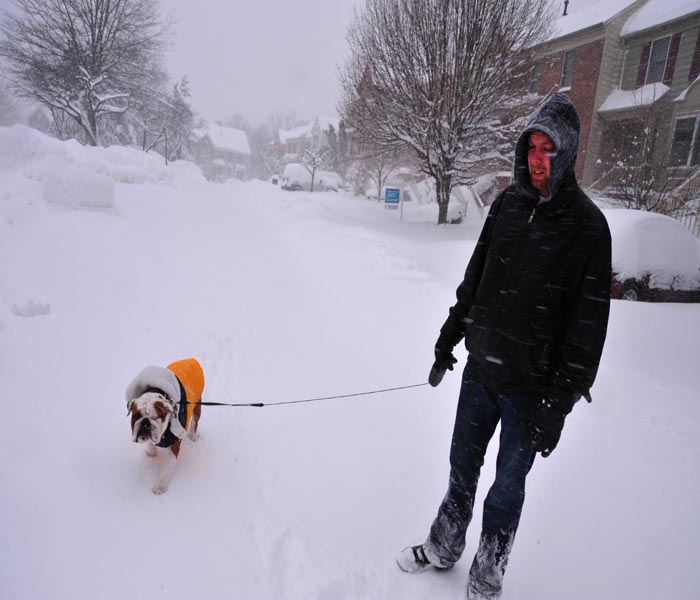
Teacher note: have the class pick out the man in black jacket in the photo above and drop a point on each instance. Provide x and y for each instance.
(533, 312)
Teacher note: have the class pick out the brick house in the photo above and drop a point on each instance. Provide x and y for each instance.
(631, 69)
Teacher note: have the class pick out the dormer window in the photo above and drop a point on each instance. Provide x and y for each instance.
(657, 60)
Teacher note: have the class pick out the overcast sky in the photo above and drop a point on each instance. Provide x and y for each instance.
(256, 56)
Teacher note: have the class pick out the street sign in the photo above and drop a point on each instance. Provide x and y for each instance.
(392, 198)
(392, 195)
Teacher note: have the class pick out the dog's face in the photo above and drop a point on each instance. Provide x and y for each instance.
(150, 417)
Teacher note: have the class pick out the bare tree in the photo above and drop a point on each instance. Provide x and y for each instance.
(313, 160)
(431, 75)
(85, 58)
(377, 163)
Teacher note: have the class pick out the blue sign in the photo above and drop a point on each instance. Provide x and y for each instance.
(392, 195)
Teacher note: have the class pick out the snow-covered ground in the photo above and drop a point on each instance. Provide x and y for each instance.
(285, 296)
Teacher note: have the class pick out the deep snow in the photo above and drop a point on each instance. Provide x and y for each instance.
(285, 296)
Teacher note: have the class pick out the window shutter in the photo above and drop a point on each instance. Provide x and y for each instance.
(671, 60)
(643, 64)
(695, 65)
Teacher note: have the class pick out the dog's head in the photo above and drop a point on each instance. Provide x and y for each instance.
(151, 414)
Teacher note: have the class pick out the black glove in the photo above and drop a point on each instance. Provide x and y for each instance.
(544, 427)
(450, 336)
(547, 420)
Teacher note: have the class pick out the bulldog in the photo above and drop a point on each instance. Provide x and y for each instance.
(164, 405)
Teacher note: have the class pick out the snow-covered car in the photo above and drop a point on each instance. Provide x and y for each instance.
(654, 257)
(297, 178)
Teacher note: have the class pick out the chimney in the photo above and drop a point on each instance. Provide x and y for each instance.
(566, 7)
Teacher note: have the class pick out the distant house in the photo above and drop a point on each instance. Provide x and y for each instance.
(312, 136)
(622, 62)
(222, 152)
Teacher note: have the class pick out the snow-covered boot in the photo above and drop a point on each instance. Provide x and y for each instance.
(413, 559)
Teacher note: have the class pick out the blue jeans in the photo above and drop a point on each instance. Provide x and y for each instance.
(478, 412)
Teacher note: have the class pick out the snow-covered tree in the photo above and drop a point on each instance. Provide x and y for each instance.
(86, 58)
(431, 75)
(338, 157)
(313, 160)
(168, 121)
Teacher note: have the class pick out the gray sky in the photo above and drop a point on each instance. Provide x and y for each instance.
(256, 56)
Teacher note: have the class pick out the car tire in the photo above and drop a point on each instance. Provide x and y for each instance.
(631, 292)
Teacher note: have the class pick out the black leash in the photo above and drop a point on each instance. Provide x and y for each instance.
(260, 404)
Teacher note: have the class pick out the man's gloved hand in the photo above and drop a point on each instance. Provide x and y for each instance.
(544, 427)
(450, 336)
(444, 359)
(547, 420)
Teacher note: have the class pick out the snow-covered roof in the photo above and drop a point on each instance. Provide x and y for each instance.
(655, 13)
(227, 138)
(304, 131)
(583, 14)
(625, 99)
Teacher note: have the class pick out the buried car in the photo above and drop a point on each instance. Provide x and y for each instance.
(297, 178)
(654, 257)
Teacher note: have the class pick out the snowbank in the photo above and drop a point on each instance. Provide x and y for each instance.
(37, 170)
(41, 157)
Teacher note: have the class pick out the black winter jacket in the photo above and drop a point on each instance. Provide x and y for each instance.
(533, 306)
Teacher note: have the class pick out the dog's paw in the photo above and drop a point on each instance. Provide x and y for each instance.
(193, 435)
(160, 488)
(151, 450)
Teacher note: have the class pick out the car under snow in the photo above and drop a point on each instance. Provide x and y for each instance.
(654, 257)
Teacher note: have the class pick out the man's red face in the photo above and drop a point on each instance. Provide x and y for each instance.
(539, 151)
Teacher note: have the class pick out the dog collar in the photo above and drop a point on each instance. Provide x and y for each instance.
(156, 390)
(176, 428)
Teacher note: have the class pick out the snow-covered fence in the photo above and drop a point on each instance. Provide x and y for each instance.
(690, 219)
(610, 182)
(661, 190)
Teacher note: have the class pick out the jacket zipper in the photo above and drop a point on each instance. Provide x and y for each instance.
(523, 236)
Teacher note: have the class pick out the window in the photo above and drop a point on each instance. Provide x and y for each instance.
(657, 60)
(567, 70)
(535, 77)
(685, 149)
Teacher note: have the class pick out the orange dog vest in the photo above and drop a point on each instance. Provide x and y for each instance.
(191, 377)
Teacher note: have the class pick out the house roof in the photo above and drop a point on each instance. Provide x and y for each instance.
(227, 138)
(583, 14)
(626, 99)
(655, 13)
(304, 131)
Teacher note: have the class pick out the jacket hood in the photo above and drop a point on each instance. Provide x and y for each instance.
(558, 119)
